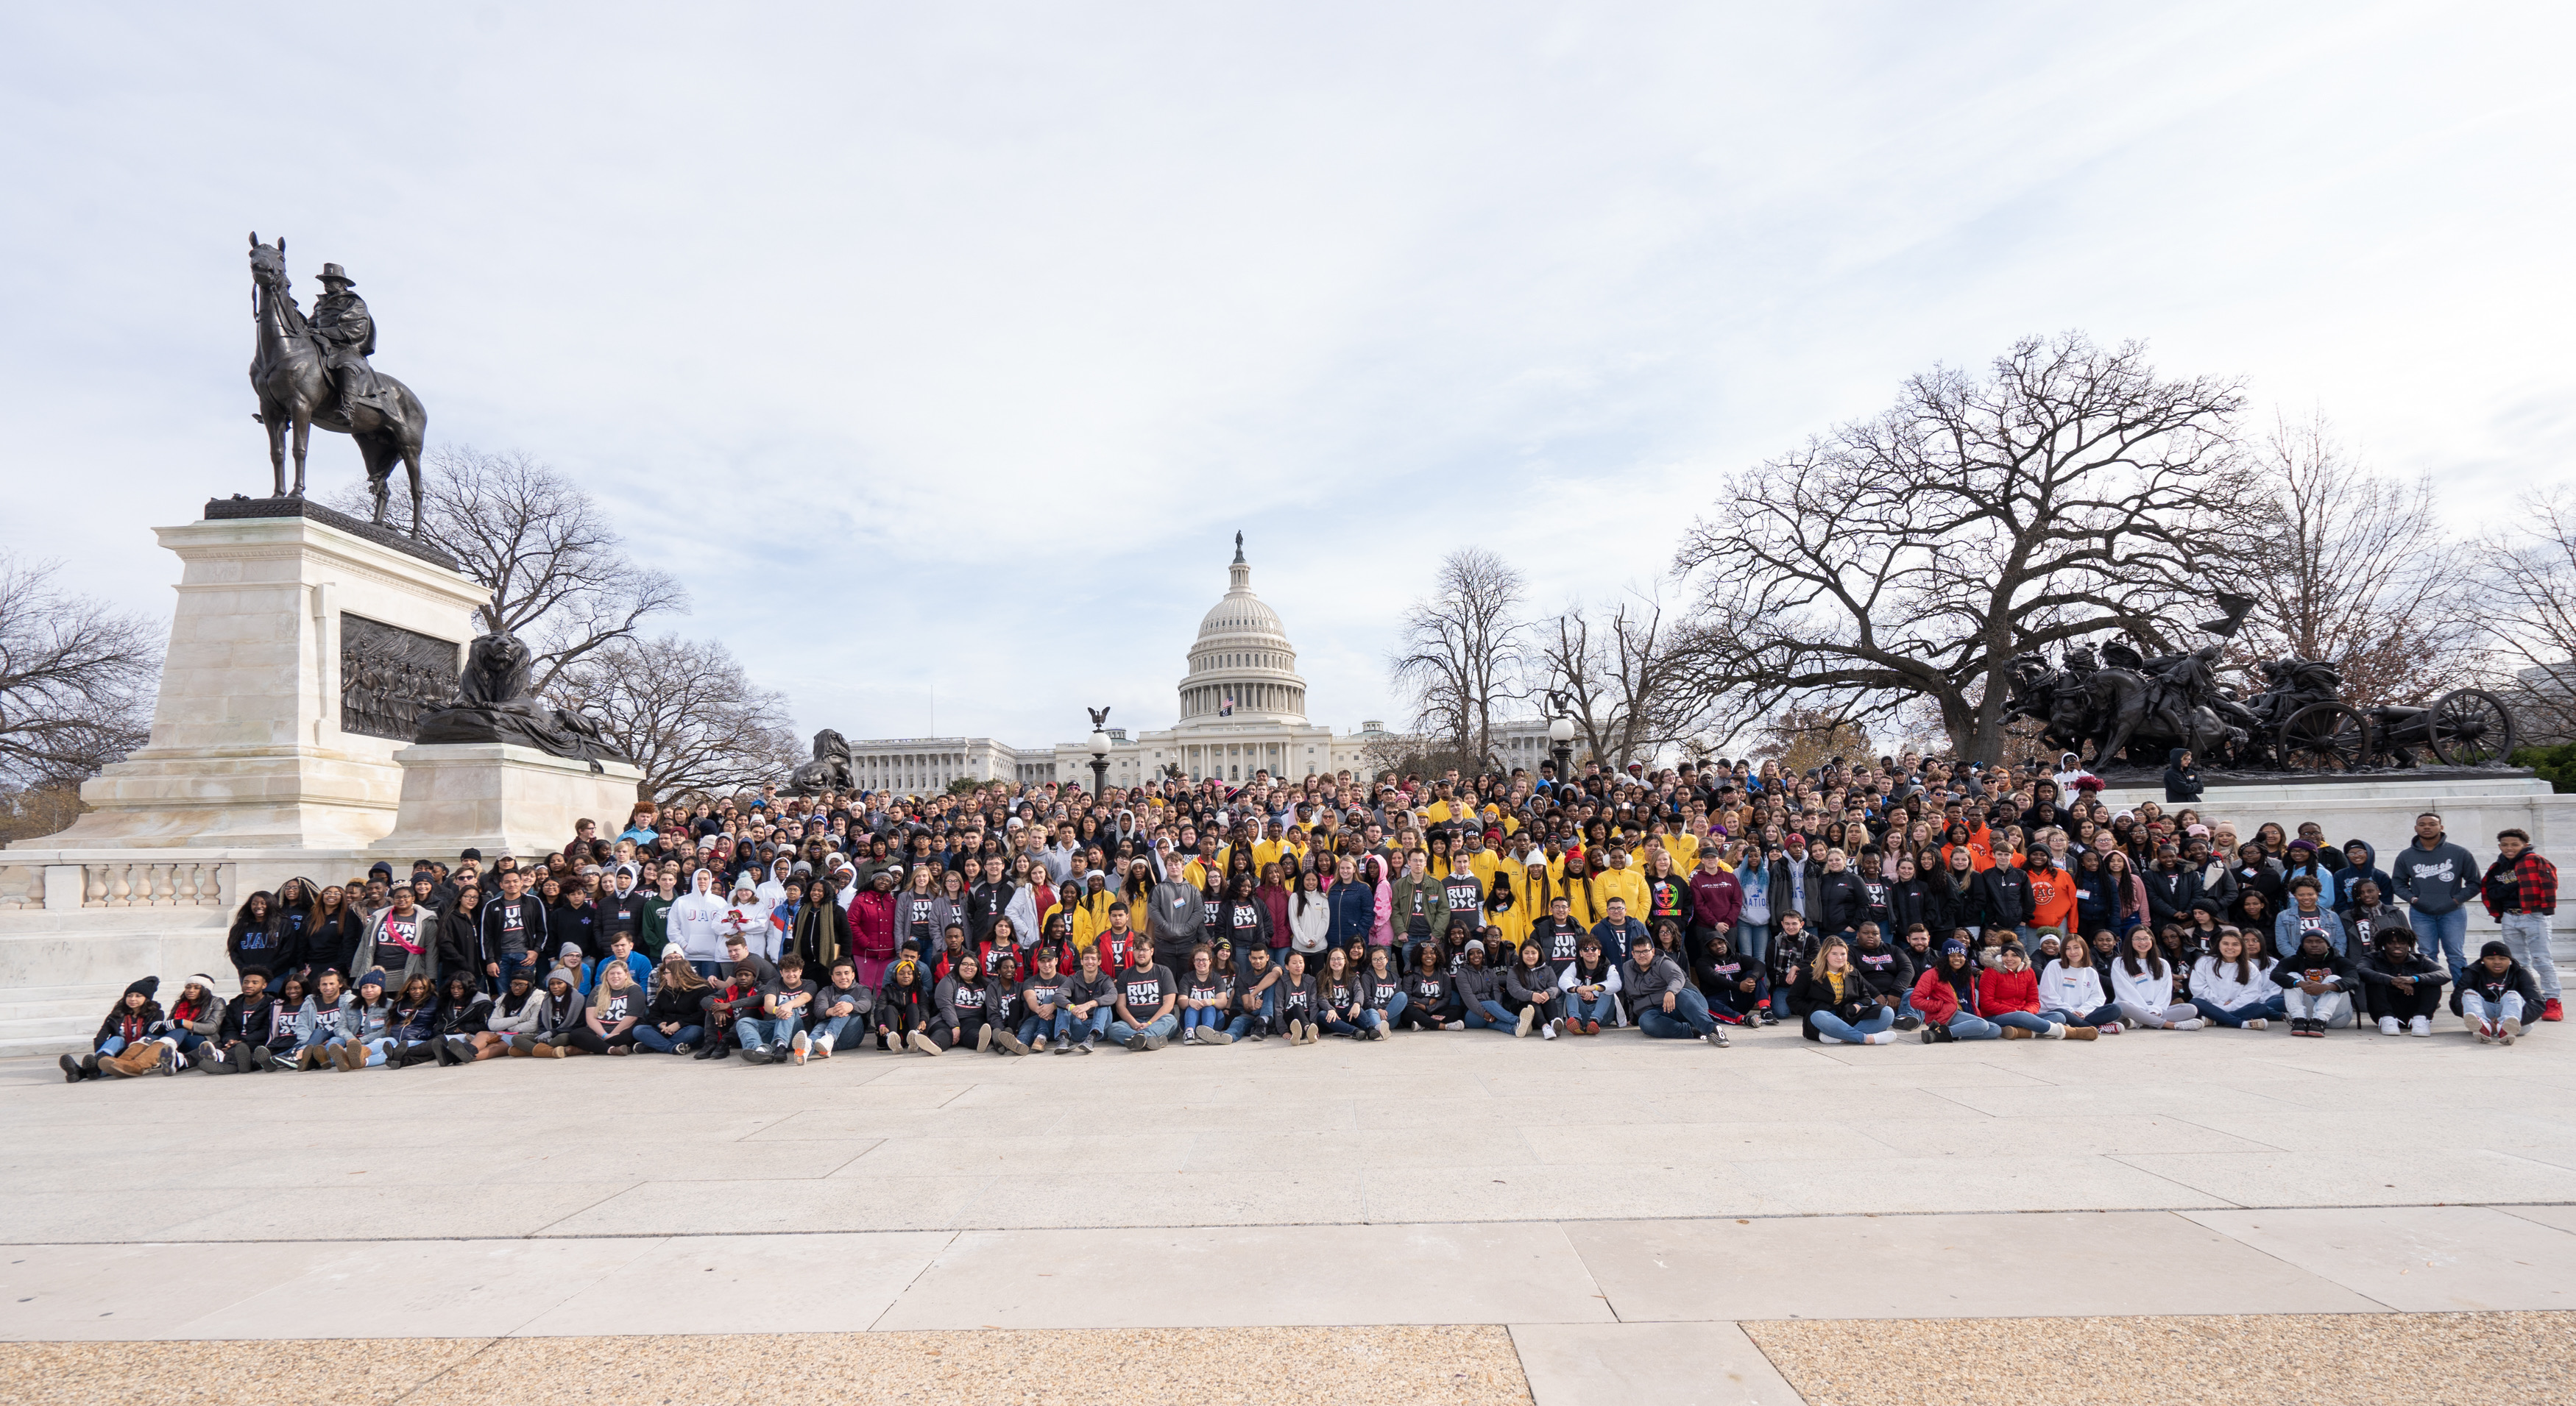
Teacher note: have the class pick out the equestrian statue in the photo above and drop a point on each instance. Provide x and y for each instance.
(314, 371)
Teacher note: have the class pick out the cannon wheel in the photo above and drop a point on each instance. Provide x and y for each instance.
(2325, 737)
(2470, 727)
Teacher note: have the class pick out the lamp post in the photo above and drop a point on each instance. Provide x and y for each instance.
(1560, 740)
(1099, 762)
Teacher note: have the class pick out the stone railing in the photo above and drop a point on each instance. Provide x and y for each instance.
(143, 880)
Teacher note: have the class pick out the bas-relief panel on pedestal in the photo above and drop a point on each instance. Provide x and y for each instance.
(389, 676)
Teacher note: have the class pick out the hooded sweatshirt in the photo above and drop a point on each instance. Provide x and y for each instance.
(696, 921)
(2434, 878)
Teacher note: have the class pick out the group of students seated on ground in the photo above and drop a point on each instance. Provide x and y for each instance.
(1861, 991)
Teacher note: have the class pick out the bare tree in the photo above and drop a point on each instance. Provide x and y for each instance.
(2354, 568)
(76, 679)
(558, 573)
(2528, 606)
(685, 711)
(2069, 492)
(1634, 678)
(1804, 738)
(1460, 650)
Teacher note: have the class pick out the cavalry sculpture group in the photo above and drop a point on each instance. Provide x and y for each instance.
(2131, 710)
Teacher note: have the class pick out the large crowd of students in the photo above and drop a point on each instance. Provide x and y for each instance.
(1909, 898)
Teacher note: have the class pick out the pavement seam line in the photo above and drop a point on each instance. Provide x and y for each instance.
(2353, 1290)
(928, 1261)
(2123, 1159)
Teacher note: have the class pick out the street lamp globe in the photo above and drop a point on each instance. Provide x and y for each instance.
(1560, 729)
(1099, 742)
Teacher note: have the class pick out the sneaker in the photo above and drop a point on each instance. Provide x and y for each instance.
(1591, 1027)
(2420, 1026)
(1455, 1025)
(1548, 1031)
(2479, 1028)
(823, 1047)
(1908, 1022)
(984, 1039)
(802, 1044)
(621, 1049)
(2193, 1023)
(1083, 1048)
(1883, 1037)
(1297, 1031)
(1065, 1048)
(1213, 1036)
(1039, 1045)
(1377, 1032)
(2508, 1031)
(1190, 1036)
(1529, 1017)
(920, 1040)
(2388, 1025)
(684, 1048)
(751, 1054)
(1152, 1042)
(2113, 1028)
(277, 1062)
(1717, 1037)
(2258, 1023)
(1559, 1026)
(1008, 1043)
(2551, 1010)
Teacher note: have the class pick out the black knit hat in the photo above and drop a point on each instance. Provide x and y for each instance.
(148, 987)
(2492, 949)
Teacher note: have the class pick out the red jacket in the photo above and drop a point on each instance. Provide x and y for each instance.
(2529, 885)
(872, 925)
(1933, 998)
(1999, 991)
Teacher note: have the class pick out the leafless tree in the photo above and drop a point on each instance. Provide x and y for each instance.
(2354, 568)
(2528, 608)
(1460, 651)
(76, 679)
(1804, 738)
(1634, 678)
(685, 711)
(2069, 492)
(558, 573)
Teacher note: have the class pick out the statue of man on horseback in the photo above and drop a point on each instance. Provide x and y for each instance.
(315, 371)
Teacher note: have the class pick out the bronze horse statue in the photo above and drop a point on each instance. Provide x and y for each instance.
(286, 369)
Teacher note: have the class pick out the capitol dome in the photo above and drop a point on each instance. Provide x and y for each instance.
(1241, 667)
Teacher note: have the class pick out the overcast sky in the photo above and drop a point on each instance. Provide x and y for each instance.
(946, 347)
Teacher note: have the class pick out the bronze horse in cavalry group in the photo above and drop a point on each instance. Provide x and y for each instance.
(314, 372)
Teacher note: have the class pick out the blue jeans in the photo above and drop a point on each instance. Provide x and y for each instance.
(1689, 1019)
(1396, 1001)
(2024, 1020)
(1120, 1032)
(1742, 1004)
(1249, 1021)
(2235, 1019)
(2107, 1013)
(853, 1025)
(113, 1044)
(652, 1038)
(1600, 1010)
(2447, 932)
(1964, 1026)
(1033, 1026)
(1334, 1026)
(1753, 940)
(376, 1049)
(1081, 1028)
(752, 1032)
(1834, 1027)
(1490, 1015)
(1197, 1017)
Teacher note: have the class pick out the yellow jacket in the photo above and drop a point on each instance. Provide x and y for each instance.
(1628, 883)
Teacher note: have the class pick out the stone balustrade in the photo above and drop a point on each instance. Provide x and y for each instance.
(147, 879)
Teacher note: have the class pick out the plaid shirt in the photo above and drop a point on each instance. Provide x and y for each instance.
(2531, 886)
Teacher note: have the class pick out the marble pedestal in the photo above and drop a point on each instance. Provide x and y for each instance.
(501, 800)
(248, 748)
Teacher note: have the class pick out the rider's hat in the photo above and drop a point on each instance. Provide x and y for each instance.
(332, 271)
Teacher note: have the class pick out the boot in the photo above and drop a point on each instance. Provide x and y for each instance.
(75, 1070)
(2015, 1032)
(136, 1059)
(2082, 1032)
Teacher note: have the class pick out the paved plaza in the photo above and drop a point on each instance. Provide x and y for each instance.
(1584, 1220)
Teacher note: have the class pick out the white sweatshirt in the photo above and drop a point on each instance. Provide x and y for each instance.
(2215, 982)
(2151, 989)
(695, 920)
(2077, 989)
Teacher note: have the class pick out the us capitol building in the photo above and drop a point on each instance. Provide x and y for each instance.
(1242, 708)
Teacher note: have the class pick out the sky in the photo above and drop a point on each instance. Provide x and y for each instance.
(939, 351)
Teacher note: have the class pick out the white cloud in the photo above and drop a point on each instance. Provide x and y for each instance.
(947, 348)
